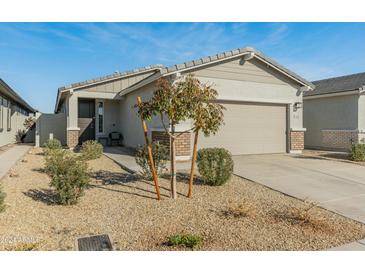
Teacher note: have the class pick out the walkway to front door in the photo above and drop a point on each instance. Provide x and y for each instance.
(9, 157)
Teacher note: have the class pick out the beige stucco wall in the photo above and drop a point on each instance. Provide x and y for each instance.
(361, 112)
(17, 123)
(130, 123)
(51, 124)
(329, 113)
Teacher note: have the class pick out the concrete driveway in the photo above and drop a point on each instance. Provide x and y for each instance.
(338, 186)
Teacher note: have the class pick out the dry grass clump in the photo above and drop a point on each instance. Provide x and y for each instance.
(23, 247)
(304, 214)
(244, 209)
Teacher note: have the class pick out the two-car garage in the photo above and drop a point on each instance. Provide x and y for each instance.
(251, 128)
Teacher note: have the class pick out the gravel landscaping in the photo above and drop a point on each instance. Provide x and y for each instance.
(240, 215)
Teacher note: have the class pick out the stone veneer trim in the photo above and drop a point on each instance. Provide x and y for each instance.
(296, 140)
(72, 138)
(341, 138)
(182, 143)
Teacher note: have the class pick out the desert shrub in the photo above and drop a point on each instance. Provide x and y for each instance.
(244, 209)
(215, 165)
(304, 214)
(54, 158)
(69, 176)
(187, 240)
(357, 152)
(160, 156)
(2, 200)
(91, 150)
(53, 144)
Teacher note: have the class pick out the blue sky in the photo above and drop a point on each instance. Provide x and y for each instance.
(37, 58)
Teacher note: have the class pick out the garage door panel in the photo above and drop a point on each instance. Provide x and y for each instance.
(251, 129)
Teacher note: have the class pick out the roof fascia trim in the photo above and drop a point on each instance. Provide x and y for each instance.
(335, 94)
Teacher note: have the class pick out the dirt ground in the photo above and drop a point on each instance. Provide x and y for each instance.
(240, 215)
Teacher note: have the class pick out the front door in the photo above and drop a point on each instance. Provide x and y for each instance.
(86, 120)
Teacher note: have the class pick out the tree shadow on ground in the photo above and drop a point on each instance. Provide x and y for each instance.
(125, 180)
(43, 195)
(183, 177)
(114, 178)
(40, 170)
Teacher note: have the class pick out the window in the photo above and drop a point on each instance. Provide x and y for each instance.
(1, 114)
(100, 117)
(9, 115)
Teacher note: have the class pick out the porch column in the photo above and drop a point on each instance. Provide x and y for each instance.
(72, 121)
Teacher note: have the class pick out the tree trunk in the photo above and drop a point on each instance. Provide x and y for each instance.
(173, 162)
(190, 193)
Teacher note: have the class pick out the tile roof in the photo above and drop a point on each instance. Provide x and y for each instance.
(232, 53)
(337, 84)
(16, 97)
(112, 76)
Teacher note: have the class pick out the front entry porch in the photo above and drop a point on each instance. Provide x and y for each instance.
(93, 119)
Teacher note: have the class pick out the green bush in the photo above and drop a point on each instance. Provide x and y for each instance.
(69, 175)
(2, 200)
(91, 150)
(160, 156)
(357, 152)
(53, 144)
(186, 240)
(215, 165)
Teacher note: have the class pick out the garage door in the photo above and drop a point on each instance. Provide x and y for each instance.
(251, 129)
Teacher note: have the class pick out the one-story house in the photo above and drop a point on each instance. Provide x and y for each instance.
(334, 112)
(13, 112)
(263, 103)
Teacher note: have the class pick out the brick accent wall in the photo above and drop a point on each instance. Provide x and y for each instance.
(340, 139)
(296, 140)
(182, 143)
(72, 138)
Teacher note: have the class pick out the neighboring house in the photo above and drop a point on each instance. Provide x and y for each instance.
(334, 112)
(13, 112)
(263, 103)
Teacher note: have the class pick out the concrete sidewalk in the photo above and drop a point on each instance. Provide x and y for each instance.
(9, 157)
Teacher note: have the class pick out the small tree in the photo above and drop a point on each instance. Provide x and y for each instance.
(29, 123)
(170, 99)
(205, 112)
(185, 98)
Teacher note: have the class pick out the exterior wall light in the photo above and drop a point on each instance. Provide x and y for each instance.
(297, 105)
